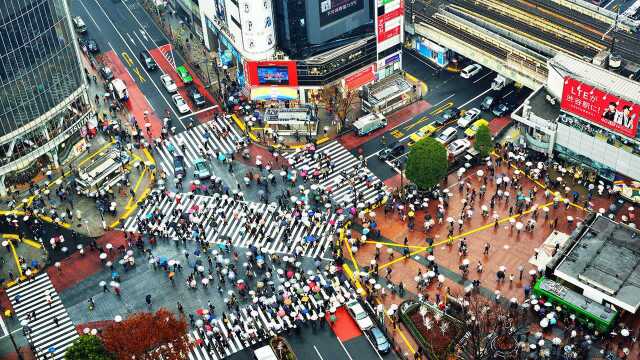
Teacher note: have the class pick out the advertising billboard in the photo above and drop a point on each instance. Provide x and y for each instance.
(334, 10)
(272, 73)
(599, 107)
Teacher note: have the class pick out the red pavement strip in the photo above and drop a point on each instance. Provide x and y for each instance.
(345, 327)
(156, 54)
(351, 140)
(393, 182)
(499, 123)
(137, 103)
(76, 268)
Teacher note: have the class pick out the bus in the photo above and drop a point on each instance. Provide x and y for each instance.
(587, 311)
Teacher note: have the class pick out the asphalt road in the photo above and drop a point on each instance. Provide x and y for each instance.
(446, 90)
(126, 29)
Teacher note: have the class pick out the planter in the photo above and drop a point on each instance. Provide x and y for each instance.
(440, 333)
(282, 349)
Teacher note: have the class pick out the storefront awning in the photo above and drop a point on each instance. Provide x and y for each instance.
(360, 78)
(274, 93)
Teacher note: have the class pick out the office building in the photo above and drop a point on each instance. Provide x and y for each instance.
(43, 101)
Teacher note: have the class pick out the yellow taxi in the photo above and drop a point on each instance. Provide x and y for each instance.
(473, 129)
(422, 133)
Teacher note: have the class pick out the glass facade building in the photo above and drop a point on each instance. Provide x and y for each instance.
(42, 85)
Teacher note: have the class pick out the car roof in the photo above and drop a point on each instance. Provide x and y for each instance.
(449, 130)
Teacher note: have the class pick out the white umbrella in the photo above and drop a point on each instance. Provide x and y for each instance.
(118, 318)
(480, 173)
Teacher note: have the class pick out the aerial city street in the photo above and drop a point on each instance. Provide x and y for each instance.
(319, 179)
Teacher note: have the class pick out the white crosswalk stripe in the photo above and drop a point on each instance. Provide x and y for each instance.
(347, 175)
(226, 219)
(45, 334)
(242, 331)
(194, 140)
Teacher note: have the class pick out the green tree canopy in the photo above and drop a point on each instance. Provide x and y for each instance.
(484, 143)
(87, 347)
(427, 163)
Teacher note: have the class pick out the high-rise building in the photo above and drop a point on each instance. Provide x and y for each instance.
(43, 91)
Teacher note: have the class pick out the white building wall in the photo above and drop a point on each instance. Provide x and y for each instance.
(620, 160)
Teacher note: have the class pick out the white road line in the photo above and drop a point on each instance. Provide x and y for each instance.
(475, 98)
(374, 347)
(443, 100)
(344, 348)
(139, 63)
(4, 327)
(483, 76)
(138, 37)
(131, 39)
(318, 352)
(91, 17)
(609, 4)
(199, 111)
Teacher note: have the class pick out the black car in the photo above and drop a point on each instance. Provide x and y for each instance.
(449, 115)
(502, 109)
(179, 166)
(106, 73)
(147, 60)
(196, 97)
(391, 151)
(92, 46)
(487, 103)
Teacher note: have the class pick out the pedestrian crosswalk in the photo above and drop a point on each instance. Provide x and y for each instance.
(51, 330)
(194, 139)
(272, 229)
(259, 321)
(345, 175)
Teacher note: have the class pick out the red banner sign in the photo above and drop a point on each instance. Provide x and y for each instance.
(599, 107)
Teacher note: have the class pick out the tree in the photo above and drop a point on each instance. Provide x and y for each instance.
(148, 336)
(489, 328)
(340, 103)
(427, 163)
(484, 142)
(87, 347)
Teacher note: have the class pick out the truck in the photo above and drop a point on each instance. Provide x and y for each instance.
(119, 89)
(500, 82)
(369, 123)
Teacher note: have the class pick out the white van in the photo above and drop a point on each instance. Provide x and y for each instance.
(369, 123)
(470, 71)
(119, 89)
(265, 353)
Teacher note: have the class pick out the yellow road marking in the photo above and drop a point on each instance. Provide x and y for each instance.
(396, 134)
(33, 244)
(127, 58)
(10, 236)
(136, 71)
(243, 127)
(135, 188)
(442, 108)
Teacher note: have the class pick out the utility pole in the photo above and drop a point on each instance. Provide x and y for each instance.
(612, 29)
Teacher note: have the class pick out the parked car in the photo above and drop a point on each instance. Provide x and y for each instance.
(449, 115)
(379, 340)
(184, 75)
(106, 73)
(488, 103)
(179, 165)
(148, 61)
(392, 151)
(201, 169)
(502, 109)
(457, 147)
(168, 83)
(473, 129)
(179, 102)
(79, 25)
(422, 133)
(196, 97)
(469, 116)
(92, 46)
(470, 71)
(447, 135)
(359, 315)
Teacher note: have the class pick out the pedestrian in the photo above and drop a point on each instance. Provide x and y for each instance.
(147, 299)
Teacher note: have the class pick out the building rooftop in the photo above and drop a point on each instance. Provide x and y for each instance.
(604, 260)
(609, 81)
(542, 107)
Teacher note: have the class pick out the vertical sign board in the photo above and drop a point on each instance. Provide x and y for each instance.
(389, 30)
